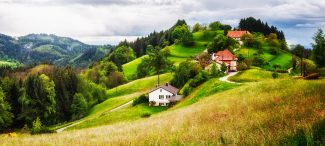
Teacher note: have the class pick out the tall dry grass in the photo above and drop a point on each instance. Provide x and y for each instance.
(255, 114)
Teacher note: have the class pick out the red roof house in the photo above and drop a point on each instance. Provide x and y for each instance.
(226, 57)
(237, 34)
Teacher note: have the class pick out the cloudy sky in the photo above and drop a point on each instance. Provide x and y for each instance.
(109, 21)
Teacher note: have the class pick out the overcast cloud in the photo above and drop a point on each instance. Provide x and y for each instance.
(109, 21)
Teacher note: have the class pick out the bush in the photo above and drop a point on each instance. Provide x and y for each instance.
(282, 71)
(145, 115)
(152, 103)
(141, 99)
(199, 79)
(187, 91)
(312, 76)
(38, 128)
(242, 66)
(275, 75)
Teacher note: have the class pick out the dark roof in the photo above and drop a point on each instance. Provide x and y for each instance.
(167, 87)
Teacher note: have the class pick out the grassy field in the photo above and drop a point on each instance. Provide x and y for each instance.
(247, 115)
(254, 75)
(139, 85)
(126, 114)
(130, 68)
(208, 88)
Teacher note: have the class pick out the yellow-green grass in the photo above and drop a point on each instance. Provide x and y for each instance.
(282, 59)
(128, 113)
(261, 113)
(182, 51)
(205, 36)
(130, 68)
(210, 87)
(254, 75)
(247, 52)
(139, 85)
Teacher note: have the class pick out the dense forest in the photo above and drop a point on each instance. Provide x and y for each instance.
(40, 48)
(256, 25)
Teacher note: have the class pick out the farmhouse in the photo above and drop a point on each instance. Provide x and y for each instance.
(237, 34)
(227, 58)
(164, 95)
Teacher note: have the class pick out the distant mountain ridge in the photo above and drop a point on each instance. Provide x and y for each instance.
(62, 51)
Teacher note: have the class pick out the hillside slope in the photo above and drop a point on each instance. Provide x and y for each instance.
(39, 48)
(249, 114)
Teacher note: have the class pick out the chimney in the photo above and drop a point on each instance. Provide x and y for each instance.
(167, 84)
(156, 85)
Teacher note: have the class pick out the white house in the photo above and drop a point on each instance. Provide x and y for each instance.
(164, 95)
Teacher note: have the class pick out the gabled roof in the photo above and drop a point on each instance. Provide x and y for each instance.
(237, 34)
(225, 55)
(167, 87)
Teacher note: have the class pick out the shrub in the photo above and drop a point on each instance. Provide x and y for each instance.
(275, 75)
(312, 76)
(145, 115)
(152, 103)
(187, 90)
(141, 99)
(242, 66)
(38, 128)
(199, 79)
(282, 71)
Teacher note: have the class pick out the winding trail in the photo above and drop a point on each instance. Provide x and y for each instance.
(225, 78)
(77, 123)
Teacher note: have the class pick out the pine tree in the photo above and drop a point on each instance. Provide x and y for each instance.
(318, 54)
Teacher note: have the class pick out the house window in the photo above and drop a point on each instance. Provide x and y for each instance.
(161, 96)
(161, 104)
(167, 96)
(160, 90)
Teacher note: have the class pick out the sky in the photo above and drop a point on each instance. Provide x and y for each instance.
(110, 21)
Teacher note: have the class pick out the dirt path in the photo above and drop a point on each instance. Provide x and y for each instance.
(77, 123)
(225, 78)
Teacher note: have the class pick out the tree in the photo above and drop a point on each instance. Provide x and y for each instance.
(204, 59)
(143, 69)
(79, 106)
(5, 114)
(223, 67)
(214, 70)
(198, 27)
(318, 53)
(122, 55)
(185, 71)
(248, 40)
(183, 35)
(221, 42)
(115, 79)
(215, 26)
(37, 126)
(38, 99)
(158, 59)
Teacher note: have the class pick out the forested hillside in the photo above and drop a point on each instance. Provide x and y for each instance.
(40, 48)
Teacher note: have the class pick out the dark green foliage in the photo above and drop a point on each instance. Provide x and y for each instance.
(5, 114)
(299, 139)
(154, 39)
(39, 48)
(319, 132)
(318, 54)
(38, 128)
(146, 115)
(115, 79)
(39, 99)
(143, 69)
(122, 55)
(66, 85)
(253, 25)
(141, 99)
(214, 26)
(182, 34)
(223, 67)
(258, 61)
(214, 70)
(275, 75)
(79, 106)
(187, 90)
(198, 27)
(221, 42)
(185, 71)
(199, 79)
(157, 59)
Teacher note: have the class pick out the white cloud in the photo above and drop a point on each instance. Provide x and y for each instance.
(108, 21)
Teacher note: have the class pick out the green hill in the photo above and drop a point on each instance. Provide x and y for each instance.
(241, 116)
